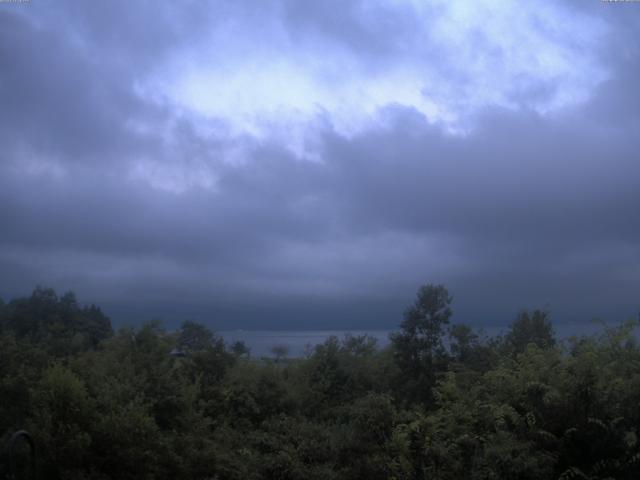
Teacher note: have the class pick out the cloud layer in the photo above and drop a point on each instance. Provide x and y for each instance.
(278, 166)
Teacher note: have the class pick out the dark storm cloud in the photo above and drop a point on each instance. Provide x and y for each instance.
(135, 201)
(57, 100)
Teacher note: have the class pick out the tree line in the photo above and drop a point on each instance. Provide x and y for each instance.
(441, 401)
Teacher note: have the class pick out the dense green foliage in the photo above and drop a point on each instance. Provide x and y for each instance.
(441, 402)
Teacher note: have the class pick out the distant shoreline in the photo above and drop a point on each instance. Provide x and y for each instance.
(261, 342)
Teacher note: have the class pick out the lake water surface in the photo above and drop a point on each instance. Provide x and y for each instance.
(260, 342)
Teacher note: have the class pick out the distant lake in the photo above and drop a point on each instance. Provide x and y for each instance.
(260, 342)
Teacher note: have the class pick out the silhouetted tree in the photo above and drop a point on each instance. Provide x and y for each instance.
(64, 325)
(240, 349)
(418, 347)
(280, 352)
(529, 328)
(194, 337)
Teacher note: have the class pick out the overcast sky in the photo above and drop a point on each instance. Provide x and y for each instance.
(309, 164)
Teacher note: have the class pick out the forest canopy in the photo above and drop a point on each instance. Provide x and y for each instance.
(441, 401)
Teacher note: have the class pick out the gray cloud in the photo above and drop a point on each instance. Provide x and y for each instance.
(154, 208)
